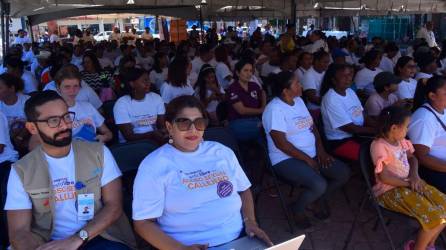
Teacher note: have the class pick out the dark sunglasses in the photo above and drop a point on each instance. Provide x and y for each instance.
(185, 124)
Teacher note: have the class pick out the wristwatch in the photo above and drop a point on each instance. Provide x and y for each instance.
(83, 234)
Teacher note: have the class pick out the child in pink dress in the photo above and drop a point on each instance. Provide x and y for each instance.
(398, 186)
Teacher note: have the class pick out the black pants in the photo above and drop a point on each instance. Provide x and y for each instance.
(5, 168)
(434, 178)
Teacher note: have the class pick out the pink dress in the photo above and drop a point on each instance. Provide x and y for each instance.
(393, 158)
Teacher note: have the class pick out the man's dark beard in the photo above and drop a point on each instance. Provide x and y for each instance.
(53, 141)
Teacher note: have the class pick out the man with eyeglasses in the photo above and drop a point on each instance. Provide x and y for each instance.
(50, 189)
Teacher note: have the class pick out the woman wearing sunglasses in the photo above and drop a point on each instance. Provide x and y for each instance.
(190, 193)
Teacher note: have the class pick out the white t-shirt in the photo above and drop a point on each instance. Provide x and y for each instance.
(313, 80)
(169, 92)
(86, 121)
(387, 64)
(28, 56)
(269, 69)
(62, 171)
(86, 94)
(106, 62)
(141, 114)
(16, 112)
(158, 78)
(221, 72)
(406, 89)
(29, 81)
(316, 46)
(338, 110)
(144, 62)
(364, 79)
(194, 196)
(422, 75)
(192, 78)
(22, 40)
(212, 106)
(77, 61)
(300, 72)
(8, 154)
(54, 38)
(295, 121)
(197, 63)
(351, 58)
(425, 129)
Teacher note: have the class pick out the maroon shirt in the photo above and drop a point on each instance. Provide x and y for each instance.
(250, 99)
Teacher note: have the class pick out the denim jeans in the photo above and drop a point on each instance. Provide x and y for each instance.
(99, 243)
(316, 186)
(246, 129)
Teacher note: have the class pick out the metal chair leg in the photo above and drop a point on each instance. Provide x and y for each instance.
(355, 220)
(284, 206)
(383, 224)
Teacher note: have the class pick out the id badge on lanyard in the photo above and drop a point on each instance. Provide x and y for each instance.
(85, 207)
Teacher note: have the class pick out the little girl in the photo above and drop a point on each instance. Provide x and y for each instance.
(398, 186)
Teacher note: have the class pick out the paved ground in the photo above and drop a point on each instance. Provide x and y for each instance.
(331, 235)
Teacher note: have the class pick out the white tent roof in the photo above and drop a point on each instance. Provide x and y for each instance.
(43, 10)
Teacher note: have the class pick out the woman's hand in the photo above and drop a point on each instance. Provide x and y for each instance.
(252, 229)
(325, 160)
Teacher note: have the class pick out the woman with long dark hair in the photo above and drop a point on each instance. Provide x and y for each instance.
(177, 83)
(209, 92)
(93, 74)
(427, 131)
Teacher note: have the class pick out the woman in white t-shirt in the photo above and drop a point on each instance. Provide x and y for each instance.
(312, 80)
(12, 104)
(406, 68)
(427, 64)
(209, 92)
(296, 151)
(342, 113)
(222, 71)
(140, 113)
(304, 63)
(189, 193)
(427, 131)
(88, 123)
(177, 83)
(364, 78)
(158, 74)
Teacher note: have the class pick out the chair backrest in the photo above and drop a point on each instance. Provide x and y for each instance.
(224, 136)
(129, 155)
(366, 165)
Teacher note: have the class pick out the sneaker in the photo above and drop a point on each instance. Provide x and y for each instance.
(409, 245)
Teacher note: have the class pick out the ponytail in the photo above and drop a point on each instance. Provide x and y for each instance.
(424, 87)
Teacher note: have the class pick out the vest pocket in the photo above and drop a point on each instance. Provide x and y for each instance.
(40, 199)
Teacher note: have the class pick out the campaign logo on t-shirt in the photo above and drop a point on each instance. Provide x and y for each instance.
(356, 111)
(224, 189)
(63, 190)
(254, 94)
(302, 122)
(202, 179)
(146, 120)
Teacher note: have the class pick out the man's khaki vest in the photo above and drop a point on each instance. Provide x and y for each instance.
(89, 162)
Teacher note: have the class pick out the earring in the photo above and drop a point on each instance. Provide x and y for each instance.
(170, 139)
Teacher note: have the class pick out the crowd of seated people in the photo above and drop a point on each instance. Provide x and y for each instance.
(310, 101)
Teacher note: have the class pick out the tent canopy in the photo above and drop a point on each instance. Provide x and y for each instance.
(44, 10)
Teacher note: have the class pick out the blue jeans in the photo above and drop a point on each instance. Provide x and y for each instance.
(316, 186)
(99, 243)
(246, 129)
